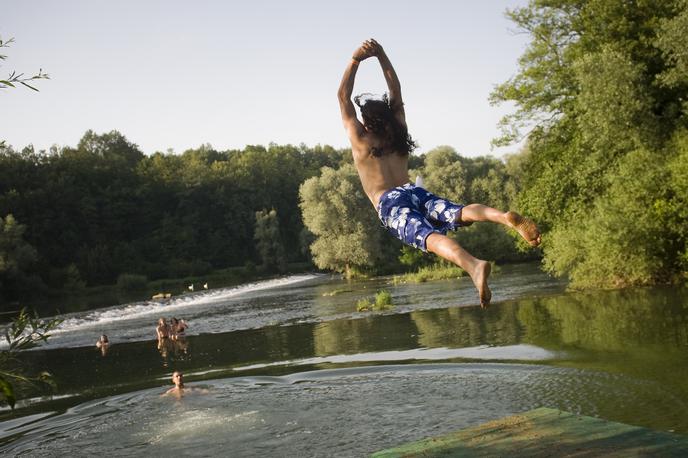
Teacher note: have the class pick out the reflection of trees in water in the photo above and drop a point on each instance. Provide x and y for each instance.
(467, 327)
(608, 320)
(374, 333)
(642, 333)
(453, 327)
(281, 343)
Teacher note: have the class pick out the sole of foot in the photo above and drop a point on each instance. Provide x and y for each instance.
(525, 227)
(482, 273)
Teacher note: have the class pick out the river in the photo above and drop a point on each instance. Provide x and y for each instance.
(288, 367)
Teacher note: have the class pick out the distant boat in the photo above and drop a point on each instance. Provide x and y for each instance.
(161, 296)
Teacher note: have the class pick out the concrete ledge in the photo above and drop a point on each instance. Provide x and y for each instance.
(547, 433)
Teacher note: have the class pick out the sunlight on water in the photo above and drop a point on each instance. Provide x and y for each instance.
(511, 353)
(176, 305)
(190, 424)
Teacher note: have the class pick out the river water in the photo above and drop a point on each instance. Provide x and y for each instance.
(287, 367)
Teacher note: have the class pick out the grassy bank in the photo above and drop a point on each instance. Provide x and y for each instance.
(434, 272)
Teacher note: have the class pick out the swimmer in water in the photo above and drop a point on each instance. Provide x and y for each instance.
(163, 329)
(104, 344)
(178, 328)
(179, 389)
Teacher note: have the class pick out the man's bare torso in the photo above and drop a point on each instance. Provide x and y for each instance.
(378, 174)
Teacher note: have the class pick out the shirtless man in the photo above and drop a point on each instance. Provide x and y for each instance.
(179, 389)
(162, 330)
(104, 344)
(381, 146)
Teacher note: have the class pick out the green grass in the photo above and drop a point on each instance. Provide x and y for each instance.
(432, 273)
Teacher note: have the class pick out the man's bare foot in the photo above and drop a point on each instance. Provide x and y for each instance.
(479, 277)
(525, 226)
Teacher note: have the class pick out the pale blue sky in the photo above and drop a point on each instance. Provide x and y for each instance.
(173, 74)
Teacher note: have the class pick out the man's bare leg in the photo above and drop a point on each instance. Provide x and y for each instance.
(524, 226)
(478, 269)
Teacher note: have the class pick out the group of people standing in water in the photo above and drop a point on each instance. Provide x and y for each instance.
(172, 330)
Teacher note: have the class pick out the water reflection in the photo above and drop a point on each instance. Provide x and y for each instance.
(173, 350)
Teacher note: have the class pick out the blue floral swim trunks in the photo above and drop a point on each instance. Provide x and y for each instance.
(412, 213)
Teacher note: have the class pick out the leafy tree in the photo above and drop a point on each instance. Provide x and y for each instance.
(268, 241)
(335, 209)
(443, 173)
(471, 180)
(17, 258)
(601, 88)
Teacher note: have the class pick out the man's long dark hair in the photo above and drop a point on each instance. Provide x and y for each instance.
(377, 114)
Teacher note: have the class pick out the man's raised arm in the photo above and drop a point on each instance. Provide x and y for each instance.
(391, 78)
(346, 88)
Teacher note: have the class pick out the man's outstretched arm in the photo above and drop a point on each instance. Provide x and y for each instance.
(346, 88)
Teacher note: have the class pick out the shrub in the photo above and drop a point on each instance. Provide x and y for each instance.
(364, 305)
(383, 301)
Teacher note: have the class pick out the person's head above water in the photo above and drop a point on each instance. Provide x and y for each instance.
(178, 379)
(104, 339)
(378, 118)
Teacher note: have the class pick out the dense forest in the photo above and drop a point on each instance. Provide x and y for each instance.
(85, 215)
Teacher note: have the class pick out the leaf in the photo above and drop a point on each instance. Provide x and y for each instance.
(29, 86)
(7, 83)
(8, 391)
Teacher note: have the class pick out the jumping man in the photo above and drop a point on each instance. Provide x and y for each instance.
(381, 146)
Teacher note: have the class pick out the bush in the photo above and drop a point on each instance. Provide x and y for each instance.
(383, 301)
(364, 305)
(132, 282)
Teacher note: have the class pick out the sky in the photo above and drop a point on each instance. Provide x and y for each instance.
(173, 75)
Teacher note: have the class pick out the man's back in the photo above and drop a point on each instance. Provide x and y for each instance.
(378, 173)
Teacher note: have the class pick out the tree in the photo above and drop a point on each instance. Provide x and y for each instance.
(268, 241)
(335, 209)
(601, 88)
(464, 180)
(443, 173)
(16, 259)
